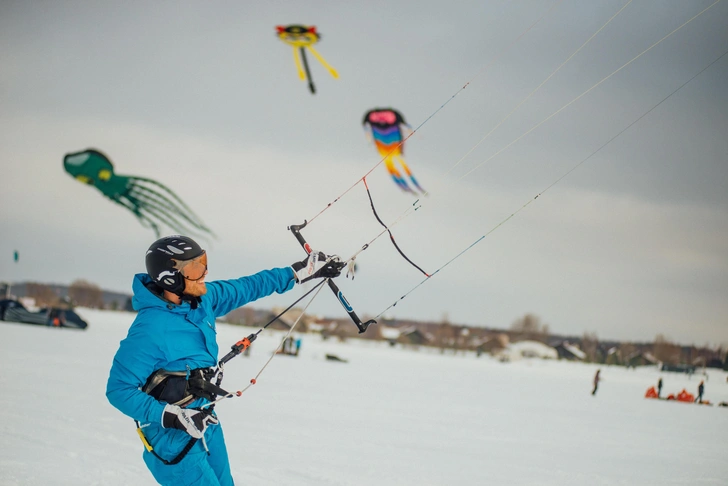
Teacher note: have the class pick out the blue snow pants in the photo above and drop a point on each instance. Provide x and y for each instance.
(197, 468)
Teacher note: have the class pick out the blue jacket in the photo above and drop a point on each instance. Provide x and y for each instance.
(177, 337)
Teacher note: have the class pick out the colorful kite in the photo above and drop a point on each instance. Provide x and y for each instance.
(301, 37)
(386, 125)
(151, 202)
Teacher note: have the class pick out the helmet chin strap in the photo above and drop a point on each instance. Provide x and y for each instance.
(193, 300)
(180, 292)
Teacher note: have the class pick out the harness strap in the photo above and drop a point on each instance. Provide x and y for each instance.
(149, 448)
(183, 387)
(207, 389)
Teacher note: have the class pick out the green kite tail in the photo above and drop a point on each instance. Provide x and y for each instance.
(153, 203)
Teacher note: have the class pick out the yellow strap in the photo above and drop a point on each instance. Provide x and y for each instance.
(296, 59)
(144, 439)
(332, 71)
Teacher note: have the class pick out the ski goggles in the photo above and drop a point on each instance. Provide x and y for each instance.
(193, 269)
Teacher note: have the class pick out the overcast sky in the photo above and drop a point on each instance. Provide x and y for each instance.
(202, 97)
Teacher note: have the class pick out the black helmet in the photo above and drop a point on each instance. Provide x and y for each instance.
(163, 257)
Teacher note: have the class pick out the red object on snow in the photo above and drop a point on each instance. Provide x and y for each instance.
(684, 396)
(651, 392)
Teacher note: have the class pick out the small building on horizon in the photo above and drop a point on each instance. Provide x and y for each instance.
(526, 349)
(570, 351)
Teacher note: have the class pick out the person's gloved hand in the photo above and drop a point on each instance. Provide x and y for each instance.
(316, 266)
(194, 422)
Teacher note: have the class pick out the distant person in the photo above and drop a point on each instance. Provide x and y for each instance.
(298, 345)
(287, 347)
(596, 382)
(701, 389)
(173, 338)
(659, 387)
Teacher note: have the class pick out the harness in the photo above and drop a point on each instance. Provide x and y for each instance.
(181, 388)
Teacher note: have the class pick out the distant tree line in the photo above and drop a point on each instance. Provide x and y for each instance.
(80, 293)
(443, 335)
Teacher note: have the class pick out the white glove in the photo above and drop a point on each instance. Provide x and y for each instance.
(192, 421)
(316, 266)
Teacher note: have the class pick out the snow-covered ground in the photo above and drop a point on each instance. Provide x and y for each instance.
(386, 417)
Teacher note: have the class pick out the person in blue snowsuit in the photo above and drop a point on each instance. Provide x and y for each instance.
(174, 331)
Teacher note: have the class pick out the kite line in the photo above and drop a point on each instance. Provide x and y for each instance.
(506, 49)
(416, 206)
(563, 176)
(590, 89)
(387, 228)
(537, 88)
(363, 179)
(554, 113)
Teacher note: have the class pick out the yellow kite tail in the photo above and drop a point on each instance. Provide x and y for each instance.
(297, 60)
(328, 66)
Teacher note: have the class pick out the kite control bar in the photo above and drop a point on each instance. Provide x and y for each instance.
(238, 348)
(362, 326)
